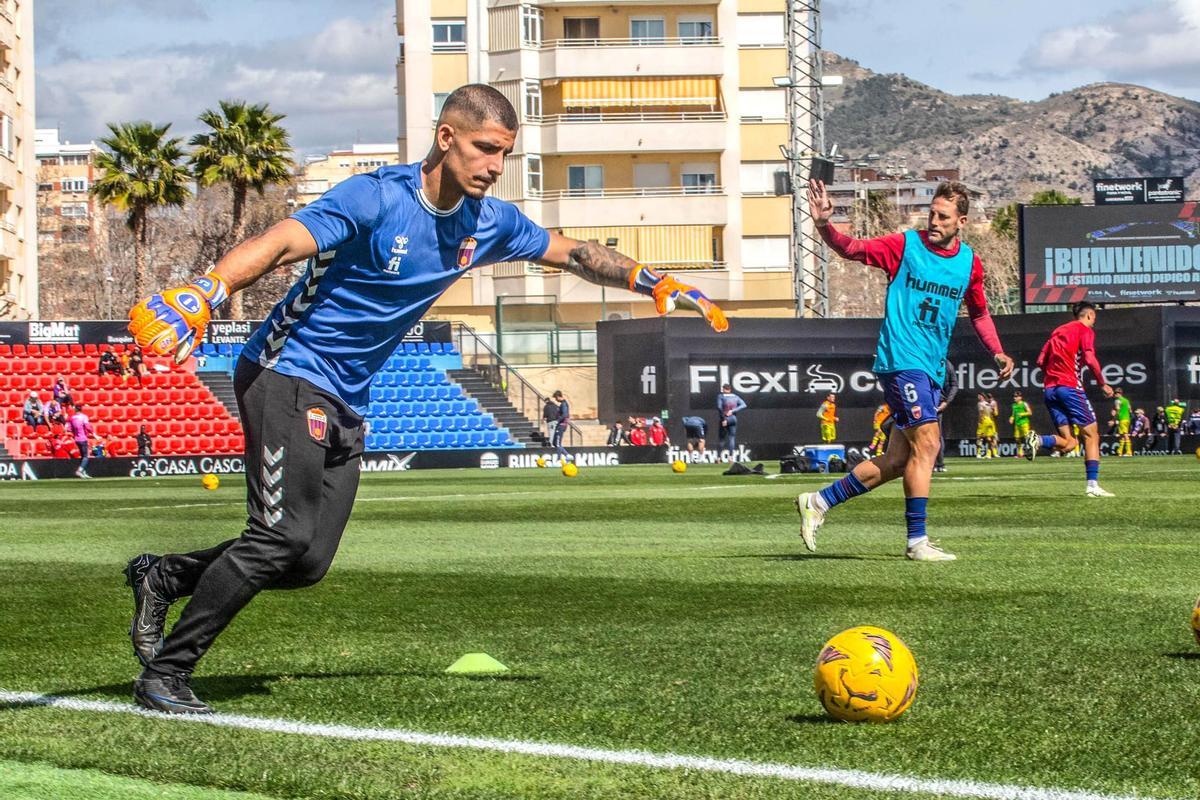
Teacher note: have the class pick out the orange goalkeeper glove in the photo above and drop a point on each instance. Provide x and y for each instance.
(670, 294)
(173, 322)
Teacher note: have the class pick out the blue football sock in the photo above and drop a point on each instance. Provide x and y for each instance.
(914, 515)
(1048, 441)
(1093, 470)
(841, 491)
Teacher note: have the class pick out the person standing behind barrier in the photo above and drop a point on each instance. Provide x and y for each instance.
(1158, 428)
(550, 417)
(949, 392)
(81, 430)
(728, 406)
(145, 445)
(827, 414)
(694, 430)
(617, 435)
(1175, 412)
(561, 421)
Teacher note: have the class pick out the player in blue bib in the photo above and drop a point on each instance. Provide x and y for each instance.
(931, 273)
(390, 243)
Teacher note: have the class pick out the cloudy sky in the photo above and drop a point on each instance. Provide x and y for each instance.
(330, 65)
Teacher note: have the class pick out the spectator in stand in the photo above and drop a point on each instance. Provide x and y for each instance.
(81, 431)
(560, 425)
(1141, 428)
(100, 448)
(694, 429)
(617, 435)
(1158, 428)
(145, 445)
(60, 446)
(55, 413)
(126, 370)
(1194, 421)
(637, 434)
(728, 406)
(62, 392)
(550, 417)
(108, 363)
(1175, 413)
(137, 365)
(657, 434)
(34, 413)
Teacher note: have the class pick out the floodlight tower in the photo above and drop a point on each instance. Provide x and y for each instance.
(806, 140)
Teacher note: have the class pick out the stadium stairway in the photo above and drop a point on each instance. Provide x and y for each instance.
(496, 403)
(221, 386)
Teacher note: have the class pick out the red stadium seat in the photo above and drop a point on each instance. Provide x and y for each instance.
(90, 349)
(19, 350)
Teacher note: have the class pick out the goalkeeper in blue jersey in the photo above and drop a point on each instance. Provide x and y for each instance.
(390, 243)
(931, 273)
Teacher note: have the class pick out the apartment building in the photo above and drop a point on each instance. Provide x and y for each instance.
(655, 127)
(68, 218)
(318, 174)
(18, 188)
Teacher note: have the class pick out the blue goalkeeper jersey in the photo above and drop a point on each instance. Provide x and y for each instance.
(394, 254)
(922, 305)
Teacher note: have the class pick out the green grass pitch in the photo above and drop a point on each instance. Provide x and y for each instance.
(638, 609)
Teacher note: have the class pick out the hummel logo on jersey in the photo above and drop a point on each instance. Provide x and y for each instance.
(933, 287)
(399, 248)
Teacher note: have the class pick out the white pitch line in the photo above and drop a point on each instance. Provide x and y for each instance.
(854, 779)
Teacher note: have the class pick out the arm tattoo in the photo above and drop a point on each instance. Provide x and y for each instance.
(599, 264)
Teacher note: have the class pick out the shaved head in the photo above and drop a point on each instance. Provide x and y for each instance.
(478, 104)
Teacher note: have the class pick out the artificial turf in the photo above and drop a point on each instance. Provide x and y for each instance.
(638, 609)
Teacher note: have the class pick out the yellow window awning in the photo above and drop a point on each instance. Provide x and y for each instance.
(668, 246)
(638, 92)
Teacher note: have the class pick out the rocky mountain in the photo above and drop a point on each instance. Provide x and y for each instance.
(1012, 148)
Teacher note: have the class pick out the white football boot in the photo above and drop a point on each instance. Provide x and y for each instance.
(811, 518)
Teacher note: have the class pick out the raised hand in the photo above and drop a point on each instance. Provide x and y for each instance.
(173, 322)
(819, 203)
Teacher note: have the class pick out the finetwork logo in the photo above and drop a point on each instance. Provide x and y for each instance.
(1193, 368)
(649, 380)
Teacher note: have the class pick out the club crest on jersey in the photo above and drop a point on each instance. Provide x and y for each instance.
(318, 423)
(466, 252)
(916, 412)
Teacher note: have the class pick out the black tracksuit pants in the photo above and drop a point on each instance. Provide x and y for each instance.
(303, 453)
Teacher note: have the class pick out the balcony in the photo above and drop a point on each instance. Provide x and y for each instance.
(621, 132)
(660, 205)
(602, 58)
(9, 243)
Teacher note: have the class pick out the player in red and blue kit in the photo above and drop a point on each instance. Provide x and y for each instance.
(930, 274)
(390, 243)
(1069, 349)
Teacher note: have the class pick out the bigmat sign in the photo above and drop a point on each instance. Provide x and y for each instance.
(220, 331)
(783, 368)
(1110, 254)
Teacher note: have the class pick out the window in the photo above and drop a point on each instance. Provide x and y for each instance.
(699, 178)
(371, 162)
(648, 30)
(76, 160)
(760, 30)
(766, 252)
(74, 184)
(532, 22)
(692, 29)
(449, 35)
(74, 235)
(48, 161)
(581, 27)
(533, 99)
(74, 210)
(762, 104)
(585, 180)
(45, 187)
(533, 174)
(758, 177)
(439, 100)
(6, 135)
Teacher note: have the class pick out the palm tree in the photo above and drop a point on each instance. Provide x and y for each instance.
(141, 171)
(246, 148)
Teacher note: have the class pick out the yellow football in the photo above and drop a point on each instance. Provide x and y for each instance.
(570, 470)
(678, 467)
(1198, 452)
(541, 462)
(865, 674)
(210, 481)
(1196, 620)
